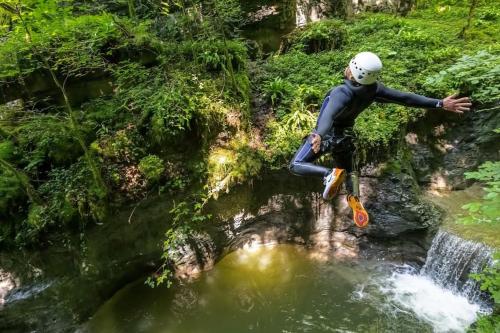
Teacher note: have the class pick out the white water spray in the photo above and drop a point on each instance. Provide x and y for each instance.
(444, 310)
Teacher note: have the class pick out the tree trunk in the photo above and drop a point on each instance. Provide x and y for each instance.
(131, 9)
(405, 6)
(472, 7)
(72, 119)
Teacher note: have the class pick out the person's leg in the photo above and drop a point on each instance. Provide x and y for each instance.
(302, 163)
(344, 159)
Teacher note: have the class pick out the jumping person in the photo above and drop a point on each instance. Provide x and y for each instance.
(333, 132)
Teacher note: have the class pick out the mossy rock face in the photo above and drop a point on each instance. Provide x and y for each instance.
(315, 37)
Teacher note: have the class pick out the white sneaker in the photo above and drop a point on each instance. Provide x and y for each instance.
(333, 183)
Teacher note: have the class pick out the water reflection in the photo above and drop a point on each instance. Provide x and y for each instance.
(269, 21)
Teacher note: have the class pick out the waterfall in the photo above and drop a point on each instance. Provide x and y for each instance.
(451, 259)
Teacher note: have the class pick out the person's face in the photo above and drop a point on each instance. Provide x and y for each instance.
(348, 74)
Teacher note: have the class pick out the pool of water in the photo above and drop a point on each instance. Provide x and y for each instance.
(283, 289)
(273, 20)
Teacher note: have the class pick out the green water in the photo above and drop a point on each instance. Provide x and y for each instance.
(278, 289)
(269, 30)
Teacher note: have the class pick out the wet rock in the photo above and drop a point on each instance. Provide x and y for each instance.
(270, 214)
(62, 286)
(322, 227)
(195, 253)
(7, 283)
(410, 249)
(345, 245)
(279, 220)
(395, 206)
(445, 146)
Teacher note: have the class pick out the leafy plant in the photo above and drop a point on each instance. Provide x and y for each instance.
(69, 196)
(490, 283)
(325, 35)
(122, 146)
(276, 90)
(487, 210)
(490, 279)
(477, 75)
(11, 192)
(187, 216)
(416, 38)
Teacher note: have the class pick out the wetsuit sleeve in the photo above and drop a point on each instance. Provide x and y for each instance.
(337, 101)
(388, 95)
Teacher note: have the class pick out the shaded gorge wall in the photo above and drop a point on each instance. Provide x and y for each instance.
(267, 21)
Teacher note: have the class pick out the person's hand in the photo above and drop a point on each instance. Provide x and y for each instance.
(315, 142)
(457, 105)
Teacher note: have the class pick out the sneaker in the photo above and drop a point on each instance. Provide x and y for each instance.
(333, 183)
(359, 214)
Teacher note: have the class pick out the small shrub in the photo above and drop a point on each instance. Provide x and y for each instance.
(283, 136)
(213, 54)
(165, 102)
(122, 146)
(382, 123)
(11, 194)
(152, 167)
(69, 196)
(47, 139)
(373, 23)
(416, 38)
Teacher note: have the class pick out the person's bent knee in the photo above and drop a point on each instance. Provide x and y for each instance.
(292, 167)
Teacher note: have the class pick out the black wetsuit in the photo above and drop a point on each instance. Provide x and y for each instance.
(340, 108)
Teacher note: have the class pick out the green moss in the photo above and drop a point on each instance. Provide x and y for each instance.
(232, 164)
(152, 167)
(11, 193)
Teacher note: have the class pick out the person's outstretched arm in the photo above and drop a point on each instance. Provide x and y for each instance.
(450, 103)
(388, 95)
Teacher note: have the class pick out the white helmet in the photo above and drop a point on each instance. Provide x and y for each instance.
(365, 67)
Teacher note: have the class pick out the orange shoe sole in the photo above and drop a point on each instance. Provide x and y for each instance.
(360, 216)
(339, 179)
